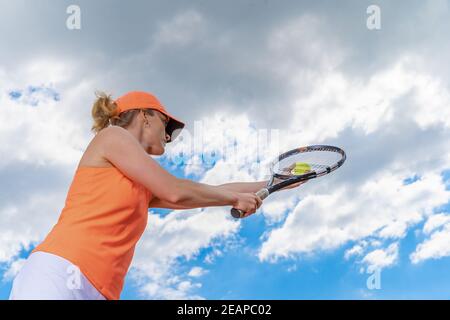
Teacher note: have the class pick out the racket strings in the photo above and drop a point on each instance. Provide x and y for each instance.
(318, 166)
(304, 162)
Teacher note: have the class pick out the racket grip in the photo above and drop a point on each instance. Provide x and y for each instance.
(236, 213)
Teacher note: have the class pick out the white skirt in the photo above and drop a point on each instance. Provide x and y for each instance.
(46, 276)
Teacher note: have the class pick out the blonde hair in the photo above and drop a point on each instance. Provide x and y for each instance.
(105, 113)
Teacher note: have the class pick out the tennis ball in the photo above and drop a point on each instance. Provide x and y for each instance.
(301, 168)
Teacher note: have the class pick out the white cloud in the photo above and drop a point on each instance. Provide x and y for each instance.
(26, 222)
(279, 204)
(435, 221)
(173, 289)
(435, 247)
(233, 144)
(337, 102)
(210, 258)
(381, 207)
(13, 269)
(197, 272)
(356, 250)
(379, 258)
(48, 133)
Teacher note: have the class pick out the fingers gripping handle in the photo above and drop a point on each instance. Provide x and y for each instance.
(262, 194)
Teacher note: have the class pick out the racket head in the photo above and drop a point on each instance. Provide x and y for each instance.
(300, 164)
(307, 162)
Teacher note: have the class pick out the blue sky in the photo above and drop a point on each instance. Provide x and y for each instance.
(250, 80)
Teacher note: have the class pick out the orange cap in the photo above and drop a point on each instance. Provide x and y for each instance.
(144, 100)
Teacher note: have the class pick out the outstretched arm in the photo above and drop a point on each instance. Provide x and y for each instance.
(253, 187)
(235, 187)
(247, 187)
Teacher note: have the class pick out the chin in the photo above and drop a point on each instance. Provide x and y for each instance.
(159, 152)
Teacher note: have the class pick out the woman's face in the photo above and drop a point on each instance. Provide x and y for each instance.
(155, 132)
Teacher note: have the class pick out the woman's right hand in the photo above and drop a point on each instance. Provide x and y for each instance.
(247, 202)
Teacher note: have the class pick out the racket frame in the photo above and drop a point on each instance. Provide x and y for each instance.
(289, 179)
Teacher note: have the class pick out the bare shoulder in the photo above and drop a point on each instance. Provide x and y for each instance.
(112, 132)
(112, 135)
(94, 156)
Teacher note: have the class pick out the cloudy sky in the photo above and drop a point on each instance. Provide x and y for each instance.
(250, 78)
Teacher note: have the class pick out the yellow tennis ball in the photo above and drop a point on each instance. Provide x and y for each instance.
(301, 168)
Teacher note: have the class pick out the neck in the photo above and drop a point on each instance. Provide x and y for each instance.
(138, 133)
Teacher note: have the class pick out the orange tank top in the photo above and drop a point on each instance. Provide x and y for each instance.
(104, 216)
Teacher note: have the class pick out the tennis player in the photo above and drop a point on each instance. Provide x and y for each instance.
(87, 253)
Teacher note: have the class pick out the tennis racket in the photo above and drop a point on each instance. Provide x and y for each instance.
(300, 164)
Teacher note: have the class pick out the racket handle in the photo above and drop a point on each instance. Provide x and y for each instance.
(236, 213)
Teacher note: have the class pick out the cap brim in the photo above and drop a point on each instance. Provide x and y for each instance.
(174, 128)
